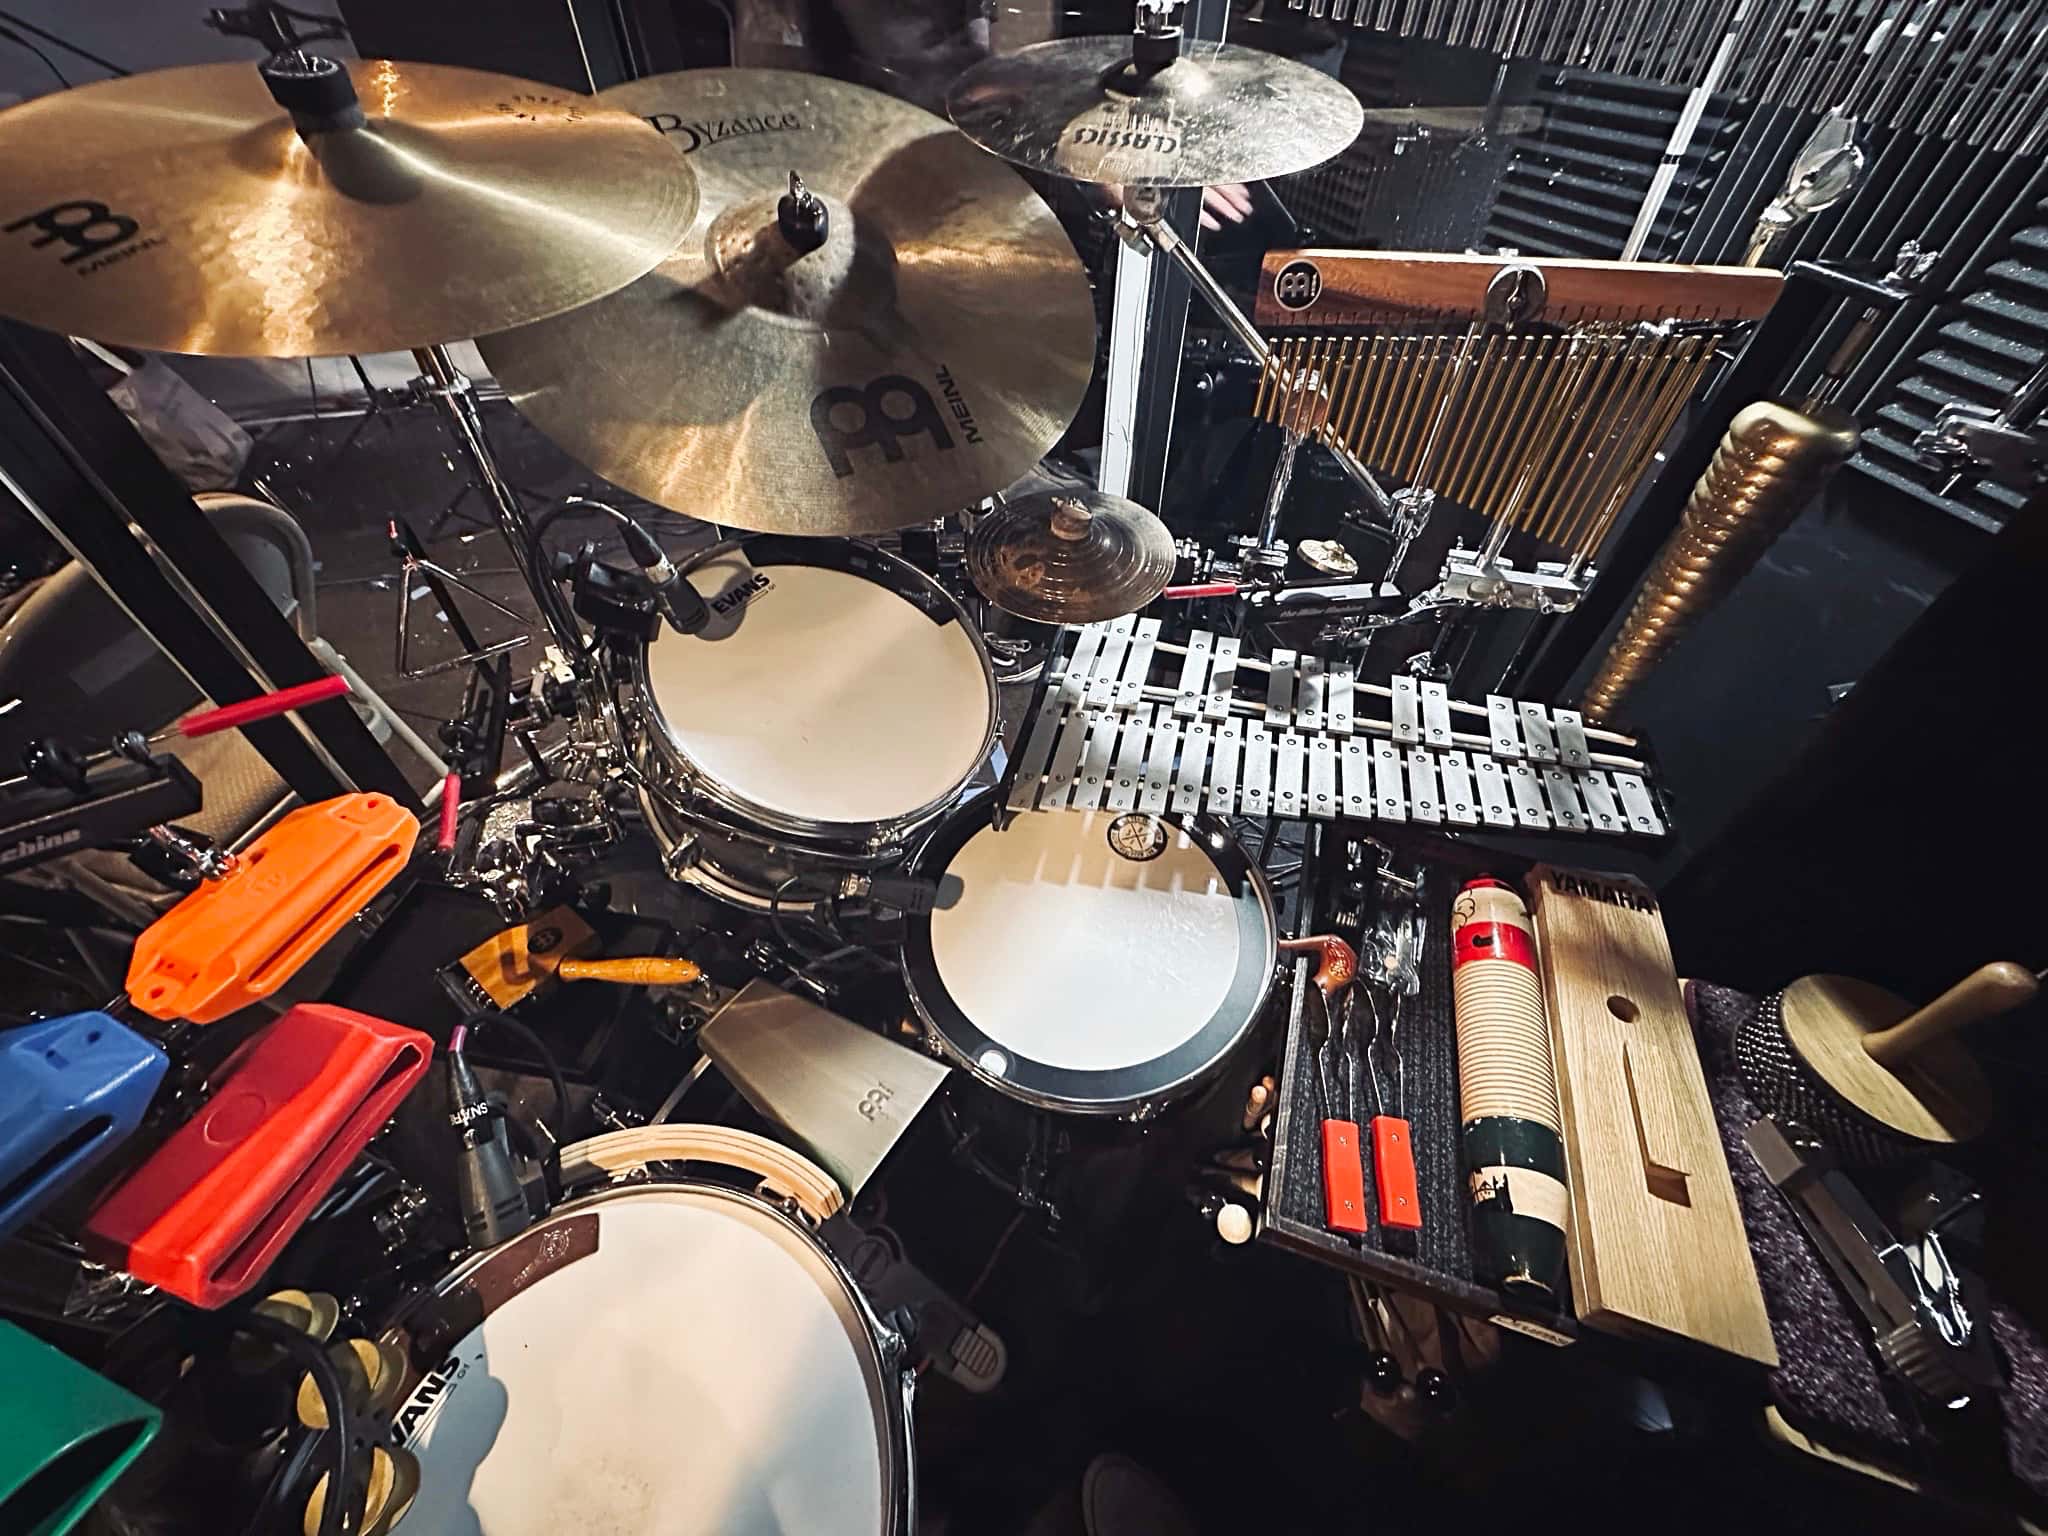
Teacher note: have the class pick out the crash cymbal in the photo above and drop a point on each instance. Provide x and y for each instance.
(925, 355)
(181, 210)
(1077, 107)
(1070, 557)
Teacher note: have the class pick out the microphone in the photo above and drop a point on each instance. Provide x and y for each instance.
(680, 603)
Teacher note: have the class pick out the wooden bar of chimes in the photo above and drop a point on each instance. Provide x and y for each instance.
(1534, 392)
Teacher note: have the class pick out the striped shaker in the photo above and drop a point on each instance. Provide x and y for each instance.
(1514, 1150)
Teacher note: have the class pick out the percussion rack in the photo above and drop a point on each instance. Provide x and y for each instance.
(1105, 730)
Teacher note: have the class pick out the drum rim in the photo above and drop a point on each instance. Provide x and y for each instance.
(1124, 1090)
(695, 779)
(877, 1345)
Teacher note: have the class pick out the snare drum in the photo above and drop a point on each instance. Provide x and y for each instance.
(681, 1355)
(1086, 961)
(838, 701)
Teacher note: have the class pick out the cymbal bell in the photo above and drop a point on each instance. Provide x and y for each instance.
(1079, 107)
(1070, 557)
(924, 354)
(182, 211)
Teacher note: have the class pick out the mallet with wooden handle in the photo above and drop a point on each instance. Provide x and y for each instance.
(1874, 1077)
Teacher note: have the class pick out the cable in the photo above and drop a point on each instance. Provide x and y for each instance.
(538, 1046)
(15, 37)
(71, 48)
(341, 1498)
(270, 1514)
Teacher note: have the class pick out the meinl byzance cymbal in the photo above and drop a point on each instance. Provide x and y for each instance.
(1070, 557)
(1079, 107)
(919, 346)
(181, 210)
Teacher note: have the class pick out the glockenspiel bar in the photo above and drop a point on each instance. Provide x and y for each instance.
(1256, 777)
(1194, 763)
(1280, 690)
(1436, 714)
(1222, 678)
(1320, 800)
(1030, 765)
(1495, 804)
(1081, 665)
(1637, 805)
(1389, 793)
(1572, 750)
(1290, 767)
(1407, 710)
(1066, 757)
(1223, 769)
(1159, 764)
(1127, 775)
(1337, 698)
(1137, 664)
(1528, 796)
(1500, 718)
(1422, 792)
(1461, 805)
(1092, 777)
(1109, 661)
(1537, 739)
(1194, 674)
(1309, 686)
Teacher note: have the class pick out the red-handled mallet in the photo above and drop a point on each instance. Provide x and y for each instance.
(451, 809)
(262, 707)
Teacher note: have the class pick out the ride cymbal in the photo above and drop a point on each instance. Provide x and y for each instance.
(1070, 557)
(929, 349)
(1079, 107)
(180, 210)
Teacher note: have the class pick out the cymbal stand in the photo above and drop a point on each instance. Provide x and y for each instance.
(1142, 220)
(453, 392)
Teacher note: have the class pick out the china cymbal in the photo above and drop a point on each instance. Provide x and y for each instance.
(925, 355)
(180, 210)
(1070, 557)
(1078, 107)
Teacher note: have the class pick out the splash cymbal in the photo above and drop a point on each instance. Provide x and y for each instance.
(1078, 107)
(180, 210)
(925, 353)
(1070, 557)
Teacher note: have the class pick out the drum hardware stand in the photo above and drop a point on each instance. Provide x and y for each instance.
(2005, 443)
(441, 584)
(1142, 225)
(453, 392)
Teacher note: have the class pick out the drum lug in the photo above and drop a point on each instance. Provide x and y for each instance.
(1149, 1110)
(681, 857)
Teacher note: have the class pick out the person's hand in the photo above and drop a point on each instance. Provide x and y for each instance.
(1228, 203)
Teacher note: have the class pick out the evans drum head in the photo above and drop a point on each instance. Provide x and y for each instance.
(1089, 961)
(837, 693)
(679, 1358)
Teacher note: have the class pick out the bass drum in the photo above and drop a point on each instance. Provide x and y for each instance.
(679, 1355)
(838, 701)
(1089, 962)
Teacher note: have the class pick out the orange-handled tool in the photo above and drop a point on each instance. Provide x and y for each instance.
(631, 971)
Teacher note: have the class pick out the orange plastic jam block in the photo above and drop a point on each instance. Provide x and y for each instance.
(240, 938)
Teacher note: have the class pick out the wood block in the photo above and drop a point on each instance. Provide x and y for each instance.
(1657, 1242)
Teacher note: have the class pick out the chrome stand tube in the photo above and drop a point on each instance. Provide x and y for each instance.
(456, 396)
